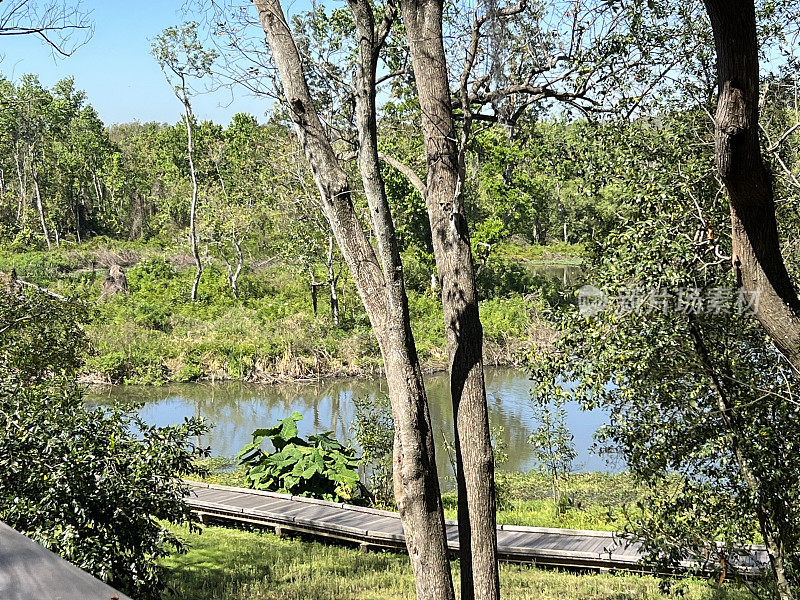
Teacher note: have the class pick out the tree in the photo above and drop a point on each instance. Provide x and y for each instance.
(182, 58)
(241, 200)
(92, 485)
(452, 250)
(377, 275)
(32, 142)
(503, 72)
(575, 57)
(701, 404)
(757, 260)
(373, 430)
(553, 446)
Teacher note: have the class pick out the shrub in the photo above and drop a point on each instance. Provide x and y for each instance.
(153, 269)
(95, 485)
(373, 429)
(83, 484)
(319, 467)
(40, 336)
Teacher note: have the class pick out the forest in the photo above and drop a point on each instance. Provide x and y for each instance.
(85, 196)
(599, 199)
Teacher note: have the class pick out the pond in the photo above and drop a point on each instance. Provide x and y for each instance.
(569, 275)
(236, 409)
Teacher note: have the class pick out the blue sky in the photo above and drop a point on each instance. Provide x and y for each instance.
(122, 80)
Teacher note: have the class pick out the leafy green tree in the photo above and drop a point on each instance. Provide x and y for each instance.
(373, 430)
(700, 402)
(182, 58)
(35, 320)
(241, 196)
(92, 485)
(553, 447)
(84, 485)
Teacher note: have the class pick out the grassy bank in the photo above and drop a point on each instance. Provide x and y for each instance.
(233, 564)
(155, 334)
(595, 500)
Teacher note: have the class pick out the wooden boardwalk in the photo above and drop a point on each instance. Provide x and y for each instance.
(370, 528)
(29, 571)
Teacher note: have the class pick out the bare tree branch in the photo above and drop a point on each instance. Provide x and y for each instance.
(403, 168)
(62, 25)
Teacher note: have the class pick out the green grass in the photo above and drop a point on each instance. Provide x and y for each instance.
(597, 501)
(235, 564)
(557, 253)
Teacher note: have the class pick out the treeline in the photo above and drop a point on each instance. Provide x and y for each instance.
(66, 177)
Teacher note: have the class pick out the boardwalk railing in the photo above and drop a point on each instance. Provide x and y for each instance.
(371, 528)
(29, 571)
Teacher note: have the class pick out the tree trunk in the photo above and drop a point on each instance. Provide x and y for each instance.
(233, 273)
(137, 216)
(193, 205)
(332, 282)
(98, 191)
(40, 207)
(314, 287)
(562, 210)
(416, 483)
(757, 261)
(22, 195)
(445, 203)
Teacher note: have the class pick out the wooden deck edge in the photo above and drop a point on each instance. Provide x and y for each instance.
(568, 559)
(304, 499)
(378, 539)
(275, 518)
(394, 515)
(363, 535)
(580, 532)
(29, 570)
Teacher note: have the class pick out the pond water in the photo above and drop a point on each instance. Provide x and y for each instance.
(569, 275)
(236, 409)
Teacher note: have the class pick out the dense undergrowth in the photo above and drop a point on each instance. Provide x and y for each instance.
(155, 334)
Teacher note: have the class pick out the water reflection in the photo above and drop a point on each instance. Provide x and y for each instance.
(570, 275)
(236, 409)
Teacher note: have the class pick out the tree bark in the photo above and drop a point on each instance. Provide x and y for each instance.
(233, 273)
(416, 483)
(451, 244)
(757, 261)
(332, 280)
(562, 211)
(22, 195)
